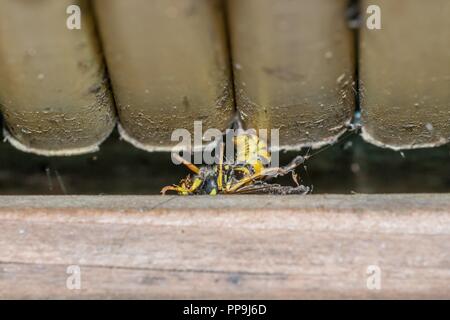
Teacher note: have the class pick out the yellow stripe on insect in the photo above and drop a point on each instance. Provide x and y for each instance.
(197, 183)
(251, 151)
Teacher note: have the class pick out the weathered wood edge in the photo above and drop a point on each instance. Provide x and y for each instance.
(225, 247)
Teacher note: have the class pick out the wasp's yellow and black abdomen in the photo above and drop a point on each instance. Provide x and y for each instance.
(251, 152)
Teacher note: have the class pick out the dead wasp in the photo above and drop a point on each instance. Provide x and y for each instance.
(247, 173)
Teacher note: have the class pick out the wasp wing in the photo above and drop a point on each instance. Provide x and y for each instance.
(267, 188)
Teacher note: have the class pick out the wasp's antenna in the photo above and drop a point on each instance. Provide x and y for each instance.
(307, 153)
(353, 127)
(340, 141)
(308, 176)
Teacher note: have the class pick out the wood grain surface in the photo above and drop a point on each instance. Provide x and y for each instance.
(225, 247)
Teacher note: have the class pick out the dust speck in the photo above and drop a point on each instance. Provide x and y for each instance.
(348, 145)
(355, 167)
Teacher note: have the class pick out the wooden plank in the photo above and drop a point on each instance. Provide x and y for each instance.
(169, 67)
(405, 74)
(225, 247)
(293, 68)
(53, 90)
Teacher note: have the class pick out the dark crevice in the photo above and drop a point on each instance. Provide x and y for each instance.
(354, 23)
(106, 77)
(226, 15)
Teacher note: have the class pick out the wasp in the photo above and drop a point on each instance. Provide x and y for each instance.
(248, 172)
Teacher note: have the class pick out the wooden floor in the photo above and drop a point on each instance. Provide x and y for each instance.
(226, 247)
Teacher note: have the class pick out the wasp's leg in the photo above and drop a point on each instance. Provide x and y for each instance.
(220, 177)
(281, 171)
(299, 160)
(188, 164)
(243, 169)
(269, 172)
(178, 189)
(244, 181)
(295, 178)
(195, 185)
(182, 189)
